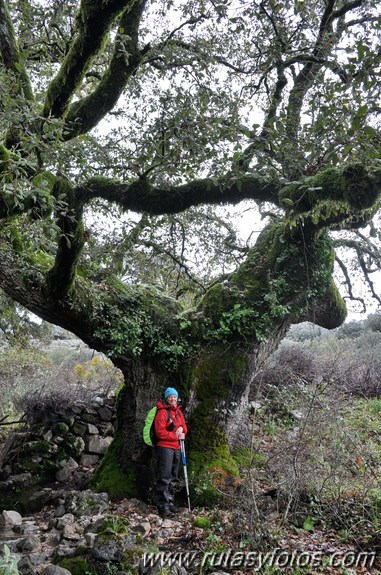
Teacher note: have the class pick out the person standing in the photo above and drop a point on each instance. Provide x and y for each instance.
(170, 428)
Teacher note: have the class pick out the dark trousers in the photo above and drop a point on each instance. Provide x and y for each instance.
(168, 461)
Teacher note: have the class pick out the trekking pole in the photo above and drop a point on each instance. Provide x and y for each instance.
(182, 447)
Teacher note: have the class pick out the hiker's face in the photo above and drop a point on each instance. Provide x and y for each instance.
(172, 399)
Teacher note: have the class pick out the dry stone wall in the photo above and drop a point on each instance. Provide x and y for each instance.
(61, 445)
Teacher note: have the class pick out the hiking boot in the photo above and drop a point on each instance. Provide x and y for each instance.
(165, 513)
(173, 508)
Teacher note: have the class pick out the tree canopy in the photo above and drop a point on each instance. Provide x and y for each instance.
(149, 113)
(198, 104)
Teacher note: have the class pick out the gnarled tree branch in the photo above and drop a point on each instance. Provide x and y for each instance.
(93, 22)
(87, 112)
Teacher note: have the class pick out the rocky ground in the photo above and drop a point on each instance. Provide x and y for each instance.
(83, 533)
(79, 532)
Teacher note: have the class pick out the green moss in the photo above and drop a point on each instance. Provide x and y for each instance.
(110, 476)
(79, 429)
(4, 157)
(302, 195)
(217, 371)
(39, 447)
(353, 184)
(61, 428)
(101, 183)
(338, 309)
(44, 180)
(361, 188)
(202, 522)
(77, 566)
(245, 459)
(210, 461)
(74, 445)
(33, 467)
(130, 559)
(60, 278)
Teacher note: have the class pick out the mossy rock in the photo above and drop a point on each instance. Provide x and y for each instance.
(61, 428)
(35, 468)
(77, 566)
(79, 429)
(75, 444)
(40, 447)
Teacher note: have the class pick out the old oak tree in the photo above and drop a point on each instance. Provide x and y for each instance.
(146, 114)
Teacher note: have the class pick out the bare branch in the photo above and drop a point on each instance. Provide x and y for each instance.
(196, 54)
(348, 282)
(370, 283)
(362, 248)
(188, 22)
(347, 8)
(61, 276)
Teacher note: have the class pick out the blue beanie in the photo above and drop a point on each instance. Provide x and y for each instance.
(170, 391)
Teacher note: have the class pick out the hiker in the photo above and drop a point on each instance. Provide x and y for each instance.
(170, 427)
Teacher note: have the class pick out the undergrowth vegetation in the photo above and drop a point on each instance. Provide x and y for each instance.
(313, 459)
(310, 461)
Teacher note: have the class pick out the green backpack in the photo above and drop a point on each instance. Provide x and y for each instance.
(149, 436)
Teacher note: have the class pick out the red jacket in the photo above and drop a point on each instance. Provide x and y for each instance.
(165, 437)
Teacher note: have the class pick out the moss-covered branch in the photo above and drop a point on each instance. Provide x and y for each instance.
(93, 22)
(13, 61)
(10, 55)
(286, 277)
(343, 196)
(142, 196)
(336, 196)
(86, 113)
(60, 278)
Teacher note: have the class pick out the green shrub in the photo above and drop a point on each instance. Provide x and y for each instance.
(8, 563)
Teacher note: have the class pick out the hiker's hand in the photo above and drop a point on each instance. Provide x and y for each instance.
(179, 431)
(181, 436)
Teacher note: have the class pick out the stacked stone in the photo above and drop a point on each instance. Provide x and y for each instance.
(58, 446)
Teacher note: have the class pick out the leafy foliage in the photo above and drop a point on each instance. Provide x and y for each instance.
(8, 563)
(205, 96)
